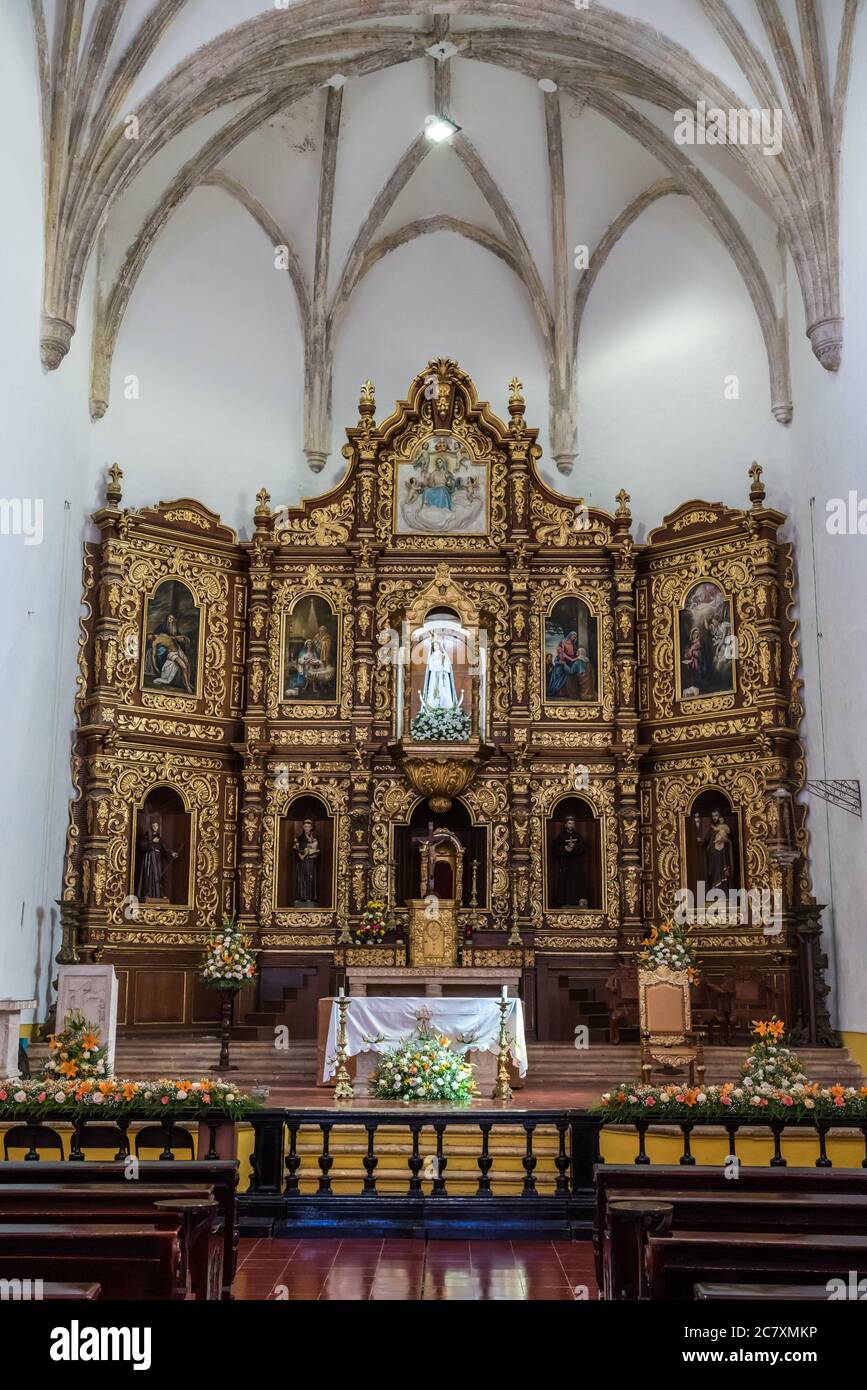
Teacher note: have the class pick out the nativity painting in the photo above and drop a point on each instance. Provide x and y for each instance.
(707, 643)
(571, 653)
(442, 491)
(310, 650)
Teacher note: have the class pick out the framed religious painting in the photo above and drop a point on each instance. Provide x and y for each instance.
(171, 655)
(441, 491)
(707, 646)
(570, 655)
(311, 652)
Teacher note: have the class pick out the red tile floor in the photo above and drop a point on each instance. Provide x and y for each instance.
(403, 1269)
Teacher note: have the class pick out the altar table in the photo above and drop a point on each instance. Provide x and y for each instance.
(374, 1024)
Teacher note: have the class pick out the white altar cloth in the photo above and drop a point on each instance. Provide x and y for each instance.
(374, 1024)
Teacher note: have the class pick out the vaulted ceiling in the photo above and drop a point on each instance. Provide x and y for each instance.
(310, 116)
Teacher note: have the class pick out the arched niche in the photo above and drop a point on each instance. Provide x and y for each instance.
(573, 857)
(407, 846)
(305, 868)
(311, 651)
(442, 667)
(171, 650)
(712, 835)
(162, 852)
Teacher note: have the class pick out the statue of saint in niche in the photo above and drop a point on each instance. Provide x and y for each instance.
(439, 683)
(568, 849)
(716, 842)
(153, 856)
(307, 850)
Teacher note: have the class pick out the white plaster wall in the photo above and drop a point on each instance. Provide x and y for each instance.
(828, 460)
(45, 456)
(667, 323)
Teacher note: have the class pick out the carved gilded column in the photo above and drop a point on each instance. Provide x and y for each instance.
(626, 719)
(256, 745)
(97, 721)
(365, 447)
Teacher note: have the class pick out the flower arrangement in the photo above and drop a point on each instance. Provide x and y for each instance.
(802, 1100)
(229, 960)
(772, 1086)
(373, 926)
(422, 1067)
(668, 945)
(76, 1052)
(441, 725)
(77, 1099)
(769, 1059)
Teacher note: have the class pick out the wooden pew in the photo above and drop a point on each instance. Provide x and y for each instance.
(190, 1209)
(682, 1259)
(49, 1291)
(130, 1261)
(796, 1199)
(220, 1175)
(753, 1293)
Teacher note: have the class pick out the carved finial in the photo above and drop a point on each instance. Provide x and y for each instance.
(516, 392)
(367, 404)
(263, 504)
(112, 488)
(623, 499)
(757, 491)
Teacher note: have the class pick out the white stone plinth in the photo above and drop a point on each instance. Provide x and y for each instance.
(10, 1033)
(93, 990)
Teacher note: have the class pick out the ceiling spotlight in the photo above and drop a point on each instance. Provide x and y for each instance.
(338, 80)
(439, 128)
(547, 84)
(442, 50)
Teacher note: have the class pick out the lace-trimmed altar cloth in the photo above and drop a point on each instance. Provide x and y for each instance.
(374, 1024)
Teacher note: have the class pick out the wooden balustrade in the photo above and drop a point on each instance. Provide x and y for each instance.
(281, 1198)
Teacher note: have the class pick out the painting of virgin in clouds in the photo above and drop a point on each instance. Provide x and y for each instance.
(707, 643)
(441, 491)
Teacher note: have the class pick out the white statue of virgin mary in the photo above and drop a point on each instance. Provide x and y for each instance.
(439, 683)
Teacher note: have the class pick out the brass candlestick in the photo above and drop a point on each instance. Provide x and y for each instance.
(502, 1090)
(343, 1090)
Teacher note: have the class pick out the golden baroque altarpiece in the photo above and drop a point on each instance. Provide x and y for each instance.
(626, 680)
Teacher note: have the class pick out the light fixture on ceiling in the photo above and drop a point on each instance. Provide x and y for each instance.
(547, 84)
(439, 128)
(443, 50)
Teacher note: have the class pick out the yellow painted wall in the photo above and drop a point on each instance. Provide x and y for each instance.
(857, 1045)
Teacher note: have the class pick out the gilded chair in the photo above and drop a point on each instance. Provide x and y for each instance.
(665, 1019)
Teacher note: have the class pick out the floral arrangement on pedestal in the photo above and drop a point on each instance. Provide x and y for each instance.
(423, 1067)
(229, 959)
(373, 925)
(669, 946)
(46, 1096)
(772, 1087)
(76, 1051)
(770, 1059)
(452, 725)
